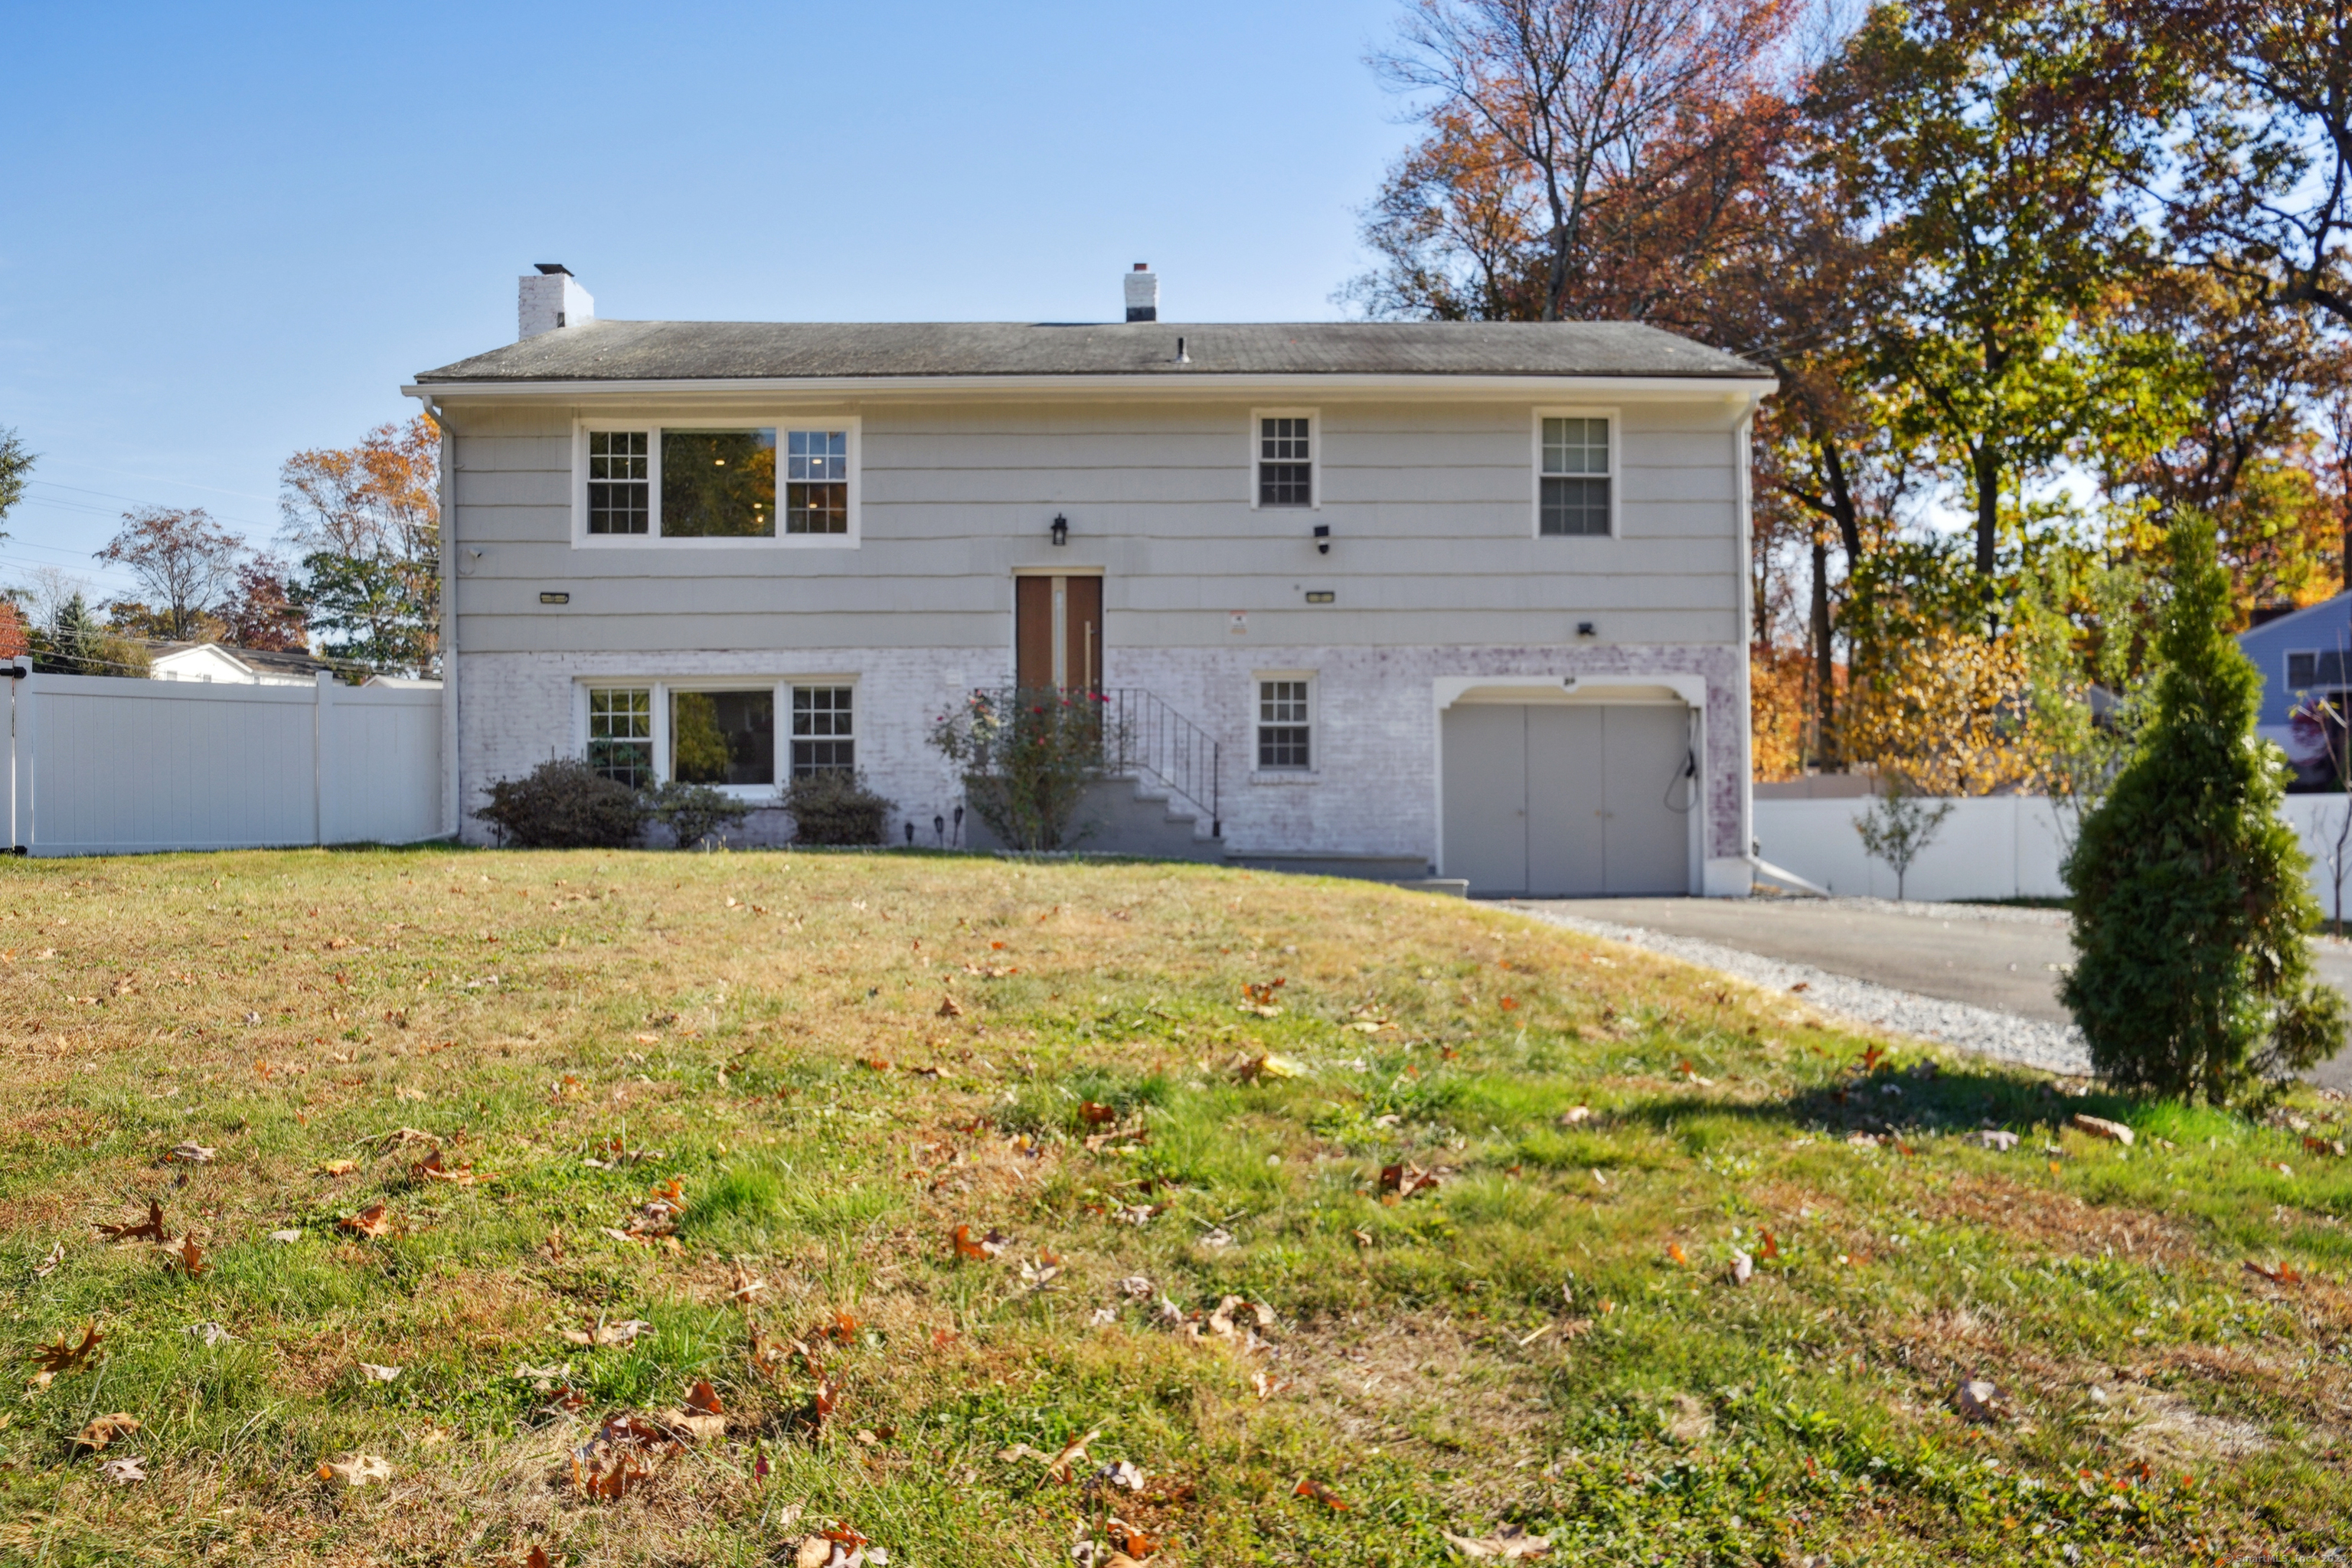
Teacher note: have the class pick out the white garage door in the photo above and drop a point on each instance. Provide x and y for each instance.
(1564, 799)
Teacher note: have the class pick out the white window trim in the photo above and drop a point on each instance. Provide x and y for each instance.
(1315, 736)
(1616, 475)
(1314, 417)
(782, 424)
(662, 686)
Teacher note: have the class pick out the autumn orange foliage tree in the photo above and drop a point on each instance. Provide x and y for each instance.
(367, 522)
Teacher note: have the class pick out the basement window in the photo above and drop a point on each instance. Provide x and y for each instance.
(823, 738)
(1284, 725)
(620, 734)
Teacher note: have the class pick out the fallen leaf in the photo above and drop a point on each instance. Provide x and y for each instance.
(149, 1229)
(210, 1332)
(2281, 1274)
(358, 1470)
(1771, 1247)
(190, 1257)
(192, 1155)
(371, 1221)
(125, 1471)
(625, 1332)
(338, 1168)
(1574, 1114)
(949, 1008)
(1978, 1399)
(984, 1246)
(371, 1373)
(431, 1169)
(1743, 1268)
(1509, 1542)
(1995, 1139)
(65, 1356)
(48, 1265)
(285, 1237)
(1675, 1251)
(1310, 1487)
(2100, 1127)
(1691, 1422)
(1405, 1179)
(106, 1429)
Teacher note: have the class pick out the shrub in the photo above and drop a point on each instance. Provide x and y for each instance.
(2191, 904)
(693, 812)
(833, 808)
(564, 804)
(1027, 760)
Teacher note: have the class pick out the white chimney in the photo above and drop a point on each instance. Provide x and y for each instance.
(549, 299)
(1143, 293)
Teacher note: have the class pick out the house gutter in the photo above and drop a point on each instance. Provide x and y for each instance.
(1750, 390)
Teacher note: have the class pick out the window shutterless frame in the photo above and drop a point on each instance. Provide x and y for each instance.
(623, 723)
(593, 472)
(1578, 444)
(1286, 723)
(1284, 455)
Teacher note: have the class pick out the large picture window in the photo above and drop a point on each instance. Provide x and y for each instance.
(1576, 473)
(723, 737)
(719, 483)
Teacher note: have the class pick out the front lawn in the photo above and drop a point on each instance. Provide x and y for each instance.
(1328, 1219)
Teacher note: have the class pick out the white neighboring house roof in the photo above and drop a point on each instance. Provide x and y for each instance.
(208, 662)
(402, 683)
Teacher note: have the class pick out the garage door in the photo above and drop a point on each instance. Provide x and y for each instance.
(1566, 798)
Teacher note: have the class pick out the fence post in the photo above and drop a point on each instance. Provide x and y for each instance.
(323, 698)
(18, 675)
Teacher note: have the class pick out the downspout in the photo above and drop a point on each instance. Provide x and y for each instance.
(452, 798)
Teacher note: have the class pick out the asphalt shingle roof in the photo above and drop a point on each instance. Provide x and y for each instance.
(694, 351)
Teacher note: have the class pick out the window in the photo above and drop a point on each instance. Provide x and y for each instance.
(822, 738)
(719, 483)
(1286, 459)
(619, 494)
(620, 734)
(1283, 725)
(816, 482)
(723, 737)
(1575, 476)
(2302, 671)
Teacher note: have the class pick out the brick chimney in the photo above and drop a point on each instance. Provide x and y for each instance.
(1143, 293)
(549, 299)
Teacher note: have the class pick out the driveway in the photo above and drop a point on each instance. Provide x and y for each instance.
(2004, 959)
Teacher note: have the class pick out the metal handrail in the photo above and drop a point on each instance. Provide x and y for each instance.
(1142, 734)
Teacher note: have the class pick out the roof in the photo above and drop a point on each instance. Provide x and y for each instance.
(259, 661)
(2326, 612)
(696, 351)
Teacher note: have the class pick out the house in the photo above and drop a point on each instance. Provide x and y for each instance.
(1380, 598)
(2305, 659)
(214, 662)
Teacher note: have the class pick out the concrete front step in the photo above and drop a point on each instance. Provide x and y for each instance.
(1121, 816)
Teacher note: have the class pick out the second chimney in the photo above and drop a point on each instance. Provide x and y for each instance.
(551, 298)
(1143, 293)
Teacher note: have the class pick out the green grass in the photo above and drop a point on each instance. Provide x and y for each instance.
(1548, 1337)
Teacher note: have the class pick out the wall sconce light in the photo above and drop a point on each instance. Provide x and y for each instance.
(1586, 629)
(1322, 539)
(1061, 529)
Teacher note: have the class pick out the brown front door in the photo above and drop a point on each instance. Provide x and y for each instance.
(1057, 632)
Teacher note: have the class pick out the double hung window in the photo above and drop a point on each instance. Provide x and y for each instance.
(1576, 470)
(1285, 458)
(823, 738)
(1284, 726)
(620, 734)
(721, 483)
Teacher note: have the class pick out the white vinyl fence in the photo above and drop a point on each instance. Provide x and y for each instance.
(1999, 847)
(99, 766)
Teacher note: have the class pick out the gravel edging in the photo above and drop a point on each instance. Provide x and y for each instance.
(2053, 1047)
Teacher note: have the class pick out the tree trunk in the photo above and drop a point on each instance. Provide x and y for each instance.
(1987, 463)
(1824, 662)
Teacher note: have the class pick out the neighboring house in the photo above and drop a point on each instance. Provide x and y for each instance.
(1386, 598)
(211, 661)
(2305, 659)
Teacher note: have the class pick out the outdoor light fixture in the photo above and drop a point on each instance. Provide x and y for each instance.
(1061, 529)
(1586, 629)
(1322, 539)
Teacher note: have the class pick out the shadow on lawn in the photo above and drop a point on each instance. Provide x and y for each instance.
(1915, 1100)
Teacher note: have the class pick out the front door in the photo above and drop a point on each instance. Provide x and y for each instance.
(1057, 633)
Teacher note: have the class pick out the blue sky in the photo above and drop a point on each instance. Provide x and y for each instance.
(234, 232)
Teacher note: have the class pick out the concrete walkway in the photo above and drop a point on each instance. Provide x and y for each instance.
(2003, 959)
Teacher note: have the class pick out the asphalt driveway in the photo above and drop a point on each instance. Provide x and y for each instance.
(2009, 961)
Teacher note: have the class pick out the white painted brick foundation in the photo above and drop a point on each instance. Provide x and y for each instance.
(1373, 790)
